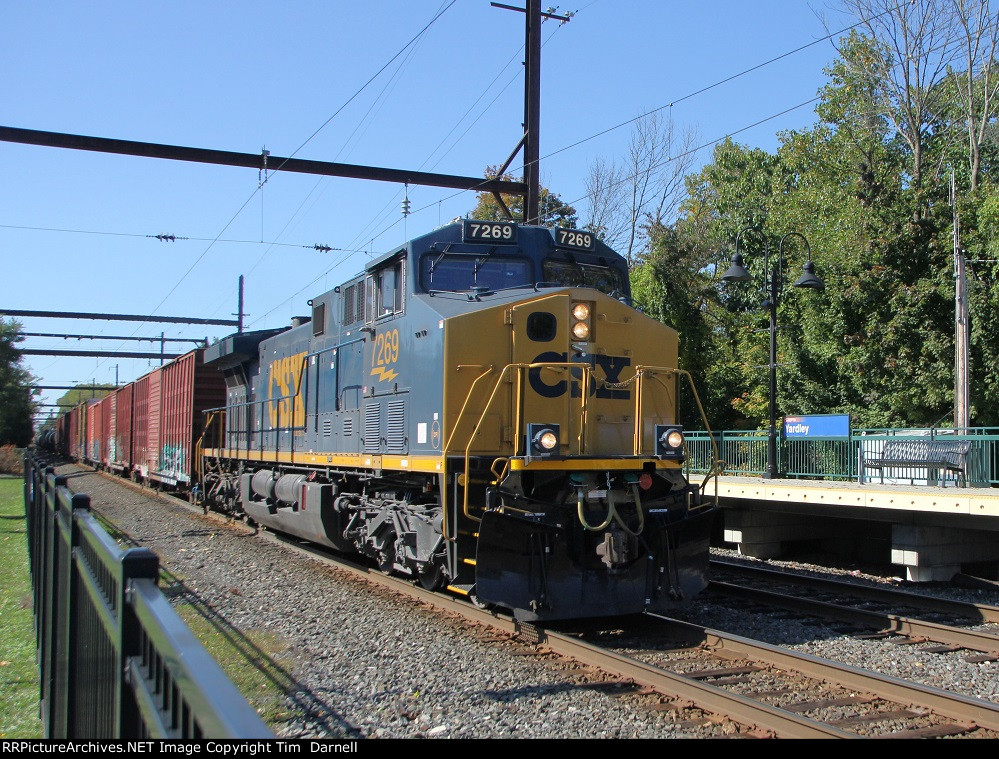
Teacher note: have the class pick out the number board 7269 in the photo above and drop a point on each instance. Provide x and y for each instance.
(496, 232)
(576, 238)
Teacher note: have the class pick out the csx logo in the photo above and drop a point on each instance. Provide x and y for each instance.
(283, 386)
(611, 367)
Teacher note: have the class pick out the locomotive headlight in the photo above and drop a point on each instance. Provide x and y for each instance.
(543, 440)
(581, 329)
(669, 441)
(547, 440)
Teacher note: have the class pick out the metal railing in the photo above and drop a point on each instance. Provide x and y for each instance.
(745, 453)
(115, 659)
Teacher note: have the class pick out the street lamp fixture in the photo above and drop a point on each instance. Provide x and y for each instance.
(738, 272)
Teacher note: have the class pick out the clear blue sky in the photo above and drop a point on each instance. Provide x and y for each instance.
(243, 76)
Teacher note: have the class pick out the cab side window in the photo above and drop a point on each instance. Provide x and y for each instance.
(385, 291)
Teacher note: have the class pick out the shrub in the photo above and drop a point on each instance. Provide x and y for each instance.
(11, 460)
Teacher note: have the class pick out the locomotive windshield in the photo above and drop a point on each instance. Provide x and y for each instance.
(571, 274)
(459, 273)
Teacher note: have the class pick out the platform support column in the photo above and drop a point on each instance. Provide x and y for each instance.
(761, 534)
(935, 554)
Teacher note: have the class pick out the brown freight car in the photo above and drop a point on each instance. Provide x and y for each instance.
(120, 441)
(147, 429)
(185, 389)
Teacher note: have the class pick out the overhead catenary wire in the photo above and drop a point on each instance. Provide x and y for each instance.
(696, 149)
(683, 98)
(432, 204)
(173, 237)
(325, 180)
(277, 168)
(622, 124)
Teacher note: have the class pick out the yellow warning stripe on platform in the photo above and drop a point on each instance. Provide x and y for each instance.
(972, 501)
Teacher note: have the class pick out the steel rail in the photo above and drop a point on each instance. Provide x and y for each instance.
(943, 703)
(882, 621)
(741, 709)
(980, 612)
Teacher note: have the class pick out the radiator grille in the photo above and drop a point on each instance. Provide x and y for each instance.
(395, 438)
(372, 427)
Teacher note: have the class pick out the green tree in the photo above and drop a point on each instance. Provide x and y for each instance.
(674, 283)
(730, 197)
(79, 395)
(16, 403)
(552, 210)
(980, 222)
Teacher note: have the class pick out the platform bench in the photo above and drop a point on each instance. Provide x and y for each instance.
(949, 455)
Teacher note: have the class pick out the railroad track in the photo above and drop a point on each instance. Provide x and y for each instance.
(731, 684)
(792, 694)
(925, 618)
(766, 689)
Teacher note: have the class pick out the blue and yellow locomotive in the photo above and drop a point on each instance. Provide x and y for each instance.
(481, 409)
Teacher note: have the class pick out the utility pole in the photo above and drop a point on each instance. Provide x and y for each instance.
(239, 316)
(531, 140)
(962, 330)
(532, 111)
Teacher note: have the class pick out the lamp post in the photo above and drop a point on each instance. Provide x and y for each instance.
(737, 272)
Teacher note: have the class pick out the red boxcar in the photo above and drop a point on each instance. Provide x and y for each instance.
(179, 393)
(143, 458)
(62, 432)
(95, 426)
(72, 441)
(149, 427)
(107, 430)
(121, 451)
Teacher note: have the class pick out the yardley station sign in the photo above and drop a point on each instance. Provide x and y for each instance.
(817, 425)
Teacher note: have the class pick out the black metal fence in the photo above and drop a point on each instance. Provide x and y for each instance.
(115, 659)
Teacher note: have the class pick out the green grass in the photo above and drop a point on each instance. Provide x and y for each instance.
(259, 664)
(18, 670)
(255, 662)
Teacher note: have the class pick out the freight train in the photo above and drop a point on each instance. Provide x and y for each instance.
(482, 409)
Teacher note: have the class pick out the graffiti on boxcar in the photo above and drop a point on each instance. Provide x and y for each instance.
(172, 458)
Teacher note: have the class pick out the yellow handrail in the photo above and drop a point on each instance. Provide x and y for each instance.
(716, 468)
(446, 448)
(517, 411)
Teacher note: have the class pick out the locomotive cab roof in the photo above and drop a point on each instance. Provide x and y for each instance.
(482, 257)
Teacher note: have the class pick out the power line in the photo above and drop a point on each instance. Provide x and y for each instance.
(695, 93)
(166, 237)
(283, 164)
(663, 163)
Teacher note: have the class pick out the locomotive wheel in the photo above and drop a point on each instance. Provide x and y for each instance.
(431, 576)
(477, 603)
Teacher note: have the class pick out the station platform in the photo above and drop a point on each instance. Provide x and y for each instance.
(931, 532)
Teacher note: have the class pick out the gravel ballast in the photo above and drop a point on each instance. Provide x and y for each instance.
(371, 663)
